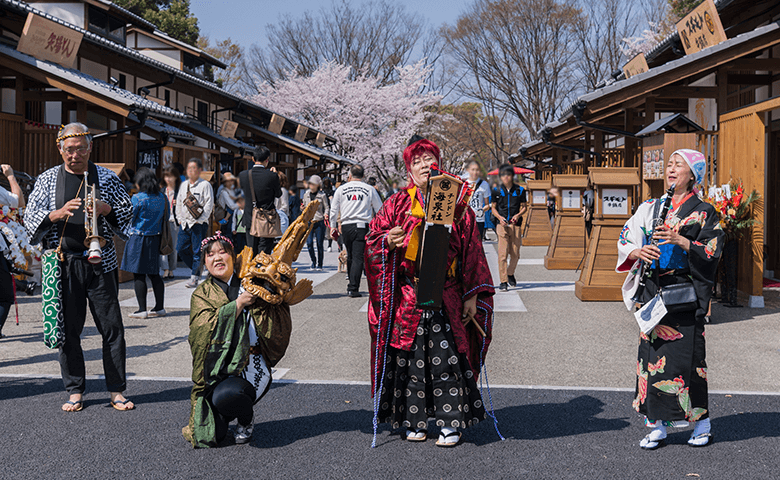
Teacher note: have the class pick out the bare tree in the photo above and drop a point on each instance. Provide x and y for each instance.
(600, 33)
(518, 56)
(372, 38)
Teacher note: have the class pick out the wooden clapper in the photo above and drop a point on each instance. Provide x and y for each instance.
(442, 198)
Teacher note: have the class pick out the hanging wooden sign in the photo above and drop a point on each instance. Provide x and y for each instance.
(701, 28)
(637, 65)
(49, 41)
(443, 198)
(228, 129)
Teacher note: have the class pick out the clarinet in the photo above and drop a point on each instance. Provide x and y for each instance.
(644, 270)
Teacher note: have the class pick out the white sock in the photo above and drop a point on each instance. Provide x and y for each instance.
(447, 430)
(194, 278)
(658, 433)
(702, 426)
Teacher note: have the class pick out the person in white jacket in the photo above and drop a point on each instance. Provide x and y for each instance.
(355, 203)
(192, 230)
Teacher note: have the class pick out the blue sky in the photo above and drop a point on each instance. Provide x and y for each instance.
(244, 20)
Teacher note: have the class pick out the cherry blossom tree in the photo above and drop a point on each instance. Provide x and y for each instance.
(371, 121)
(644, 43)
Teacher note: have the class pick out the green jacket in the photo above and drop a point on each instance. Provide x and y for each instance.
(219, 342)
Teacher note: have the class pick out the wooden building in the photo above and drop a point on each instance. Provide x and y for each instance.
(731, 89)
(97, 63)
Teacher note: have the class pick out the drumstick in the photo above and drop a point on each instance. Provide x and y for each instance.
(471, 318)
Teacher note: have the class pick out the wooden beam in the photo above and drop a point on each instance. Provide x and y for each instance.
(707, 63)
(746, 79)
(38, 96)
(723, 85)
(676, 91)
(755, 64)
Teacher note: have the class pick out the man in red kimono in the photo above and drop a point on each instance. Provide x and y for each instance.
(425, 364)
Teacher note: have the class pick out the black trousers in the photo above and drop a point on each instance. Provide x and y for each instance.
(6, 291)
(82, 281)
(260, 244)
(355, 241)
(233, 397)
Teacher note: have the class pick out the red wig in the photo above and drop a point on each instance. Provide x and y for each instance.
(418, 148)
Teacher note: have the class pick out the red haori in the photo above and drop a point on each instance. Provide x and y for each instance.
(391, 284)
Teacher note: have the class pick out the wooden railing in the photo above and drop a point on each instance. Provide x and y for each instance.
(11, 144)
(707, 143)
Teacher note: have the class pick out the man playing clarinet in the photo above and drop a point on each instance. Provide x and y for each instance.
(56, 216)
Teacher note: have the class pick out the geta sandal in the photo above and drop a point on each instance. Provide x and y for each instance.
(442, 441)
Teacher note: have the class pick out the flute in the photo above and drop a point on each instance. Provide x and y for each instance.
(644, 271)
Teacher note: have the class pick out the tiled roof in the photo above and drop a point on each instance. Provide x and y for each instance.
(136, 19)
(313, 149)
(161, 127)
(209, 134)
(93, 38)
(129, 100)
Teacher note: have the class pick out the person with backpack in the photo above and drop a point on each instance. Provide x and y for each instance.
(509, 203)
(480, 198)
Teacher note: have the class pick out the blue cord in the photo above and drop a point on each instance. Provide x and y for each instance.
(380, 381)
(483, 369)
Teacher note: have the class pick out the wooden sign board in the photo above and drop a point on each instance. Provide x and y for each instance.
(571, 199)
(442, 199)
(300, 133)
(228, 129)
(637, 65)
(701, 28)
(538, 197)
(276, 124)
(320, 140)
(49, 41)
(614, 201)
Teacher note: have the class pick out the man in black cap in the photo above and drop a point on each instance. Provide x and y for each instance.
(266, 186)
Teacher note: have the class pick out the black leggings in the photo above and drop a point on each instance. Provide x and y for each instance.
(158, 286)
(6, 291)
(232, 398)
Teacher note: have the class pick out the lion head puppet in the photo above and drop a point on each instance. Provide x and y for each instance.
(272, 277)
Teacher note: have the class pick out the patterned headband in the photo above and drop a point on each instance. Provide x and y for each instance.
(218, 236)
(61, 137)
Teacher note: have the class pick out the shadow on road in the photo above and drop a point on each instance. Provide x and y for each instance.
(550, 420)
(279, 433)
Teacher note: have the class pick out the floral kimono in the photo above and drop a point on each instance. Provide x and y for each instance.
(671, 366)
(425, 365)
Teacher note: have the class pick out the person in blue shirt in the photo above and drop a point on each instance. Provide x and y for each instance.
(508, 203)
(142, 251)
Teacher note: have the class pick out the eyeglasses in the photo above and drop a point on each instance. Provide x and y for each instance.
(75, 151)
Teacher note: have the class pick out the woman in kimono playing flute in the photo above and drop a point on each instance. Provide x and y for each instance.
(671, 387)
(425, 364)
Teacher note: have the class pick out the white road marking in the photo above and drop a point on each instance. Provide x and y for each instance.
(368, 383)
(278, 373)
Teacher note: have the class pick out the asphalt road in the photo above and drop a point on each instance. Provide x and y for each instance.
(325, 430)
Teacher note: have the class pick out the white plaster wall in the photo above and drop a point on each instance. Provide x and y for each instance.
(704, 111)
(74, 13)
(53, 113)
(168, 57)
(9, 100)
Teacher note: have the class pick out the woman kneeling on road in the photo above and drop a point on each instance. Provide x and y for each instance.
(229, 369)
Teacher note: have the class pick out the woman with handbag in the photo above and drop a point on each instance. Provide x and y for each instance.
(171, 190)
(680, 257)
(142, 251)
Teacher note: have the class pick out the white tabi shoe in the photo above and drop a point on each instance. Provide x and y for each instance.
(654, 439)
(244, 433)
(701, 436)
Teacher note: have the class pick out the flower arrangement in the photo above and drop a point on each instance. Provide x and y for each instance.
(12, 228)
(733, 206)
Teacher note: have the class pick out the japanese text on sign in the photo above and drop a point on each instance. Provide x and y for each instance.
(570, 199)
(49, 41)
(614, 201)
(701, 28)
(443, 199)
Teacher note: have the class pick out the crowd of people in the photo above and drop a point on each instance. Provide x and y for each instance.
(425, 360)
